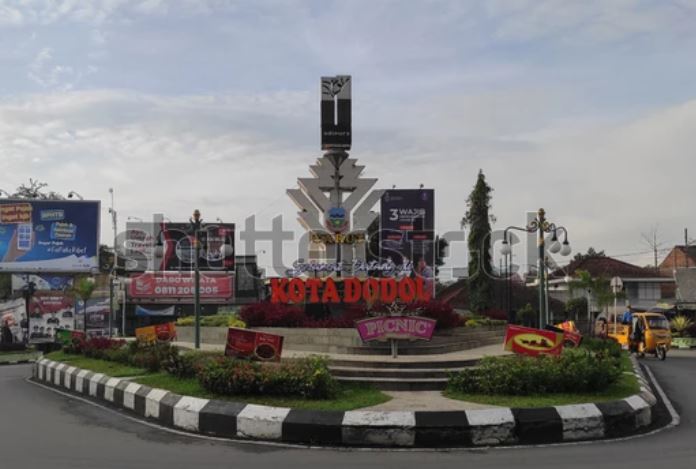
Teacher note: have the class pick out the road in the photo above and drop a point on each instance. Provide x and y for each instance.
(42, 429)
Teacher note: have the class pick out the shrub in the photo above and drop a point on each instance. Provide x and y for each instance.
(267, 314)
(187, 364)
(94, 347)
(309, 377)
(574, 371)
(680, 326)
(441, 311)
(151, 356)
(604, 347)
(186, 321)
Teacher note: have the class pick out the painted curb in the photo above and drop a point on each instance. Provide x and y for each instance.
(469, 428)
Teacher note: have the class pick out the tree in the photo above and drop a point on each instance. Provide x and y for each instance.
(83, 288)
(35, 190)
(5, 286)
(478, 219)
(591, 252)
(441, 245)
(653, 241)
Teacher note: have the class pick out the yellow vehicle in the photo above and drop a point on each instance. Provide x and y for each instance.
(647, 333)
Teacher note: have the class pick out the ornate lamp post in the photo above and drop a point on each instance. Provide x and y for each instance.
(195, 224)
(28, 294)
(541, 225)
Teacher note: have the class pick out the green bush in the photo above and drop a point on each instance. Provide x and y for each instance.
(187, 364)
(215, 320)
(151, 356)
(309, 378)
(574, 371)
(605, 347)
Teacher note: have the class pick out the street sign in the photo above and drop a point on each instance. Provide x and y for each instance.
(616, 285)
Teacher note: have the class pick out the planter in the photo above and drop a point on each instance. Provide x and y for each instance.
(683, 342)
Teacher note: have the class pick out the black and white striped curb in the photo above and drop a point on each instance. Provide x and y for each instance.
(470, 428)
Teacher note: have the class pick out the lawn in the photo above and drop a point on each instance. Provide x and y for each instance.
(19, 355)
(349, 397)
(624, 387)
(113, 369)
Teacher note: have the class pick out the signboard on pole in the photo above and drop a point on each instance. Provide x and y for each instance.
(336, 112)
(49, 235)
(158, 333)
(170, 247)
(407, 230)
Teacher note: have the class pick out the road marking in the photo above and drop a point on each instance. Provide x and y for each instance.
(676, 419)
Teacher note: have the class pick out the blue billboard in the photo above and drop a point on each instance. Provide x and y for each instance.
(49, 235)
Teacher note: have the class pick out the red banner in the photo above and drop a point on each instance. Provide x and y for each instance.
(571, 334)
(50, 302)
(181, 286)
(245, 343)
(533, 342)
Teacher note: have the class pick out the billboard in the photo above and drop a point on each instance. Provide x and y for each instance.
(407, 230)
(336, 112)
(166, 287)
(143, 240)
(245, 343)
(45, 282)
(49, 235)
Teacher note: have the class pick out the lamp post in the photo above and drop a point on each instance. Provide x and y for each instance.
(28, 294)
(541, 225)
(113, 273)
(195, 224)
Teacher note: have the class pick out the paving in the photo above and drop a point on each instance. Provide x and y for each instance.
(423, 401)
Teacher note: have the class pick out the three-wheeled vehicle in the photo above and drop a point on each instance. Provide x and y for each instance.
(647, 333)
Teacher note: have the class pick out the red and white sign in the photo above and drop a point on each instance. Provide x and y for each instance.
(529, 341)
(246, 343)
(50, 302)
(181, 286)
(396, 327)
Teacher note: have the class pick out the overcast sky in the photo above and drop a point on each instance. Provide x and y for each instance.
(587, 108)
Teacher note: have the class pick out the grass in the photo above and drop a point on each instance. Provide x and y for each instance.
(112, 369)
(18, 355)
(349, 397)
(624, 387)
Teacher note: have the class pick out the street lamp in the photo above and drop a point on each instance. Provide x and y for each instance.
(113, 273)
(541, 225)
(72, 194)
(28, 294)
(195, 225)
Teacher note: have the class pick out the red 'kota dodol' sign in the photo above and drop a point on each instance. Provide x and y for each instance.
(396, 327)
(386, 290)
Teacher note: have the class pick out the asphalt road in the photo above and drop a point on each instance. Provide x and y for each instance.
(41, 429)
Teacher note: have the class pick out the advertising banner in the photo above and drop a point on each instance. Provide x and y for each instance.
(532, 342)
(157, 333)
(383, 328)
(180, 287)
(407, 230)
(12, 314)
(176, 243)
(571, 334)
(245, 343)
(42, 282)
(49, 302)
(98, 311)
(49, 235)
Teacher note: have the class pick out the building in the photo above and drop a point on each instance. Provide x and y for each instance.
(643, 288)
(680, 257)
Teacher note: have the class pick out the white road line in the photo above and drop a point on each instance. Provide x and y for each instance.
(676, 419)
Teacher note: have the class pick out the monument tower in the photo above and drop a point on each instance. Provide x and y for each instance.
(335, 205)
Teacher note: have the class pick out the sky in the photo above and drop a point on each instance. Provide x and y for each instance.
(587, 109)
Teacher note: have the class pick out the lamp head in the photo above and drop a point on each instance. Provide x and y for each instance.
(565, 249)
(505, 249)
(196, 215)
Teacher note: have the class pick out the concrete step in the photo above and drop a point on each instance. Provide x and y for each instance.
(421, 349)
(404, 365)
(396, 384)
(406, 374)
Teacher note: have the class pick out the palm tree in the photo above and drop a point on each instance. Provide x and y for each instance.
(83, 289)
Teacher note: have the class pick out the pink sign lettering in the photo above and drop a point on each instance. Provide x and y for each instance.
(396, 327)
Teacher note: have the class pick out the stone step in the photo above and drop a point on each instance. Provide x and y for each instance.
(389, 363)
(421, 349)
(396, 384)
(400, 373)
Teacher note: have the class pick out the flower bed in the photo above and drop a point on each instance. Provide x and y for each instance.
(267, 314)
(592, 368)
(305, 378)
